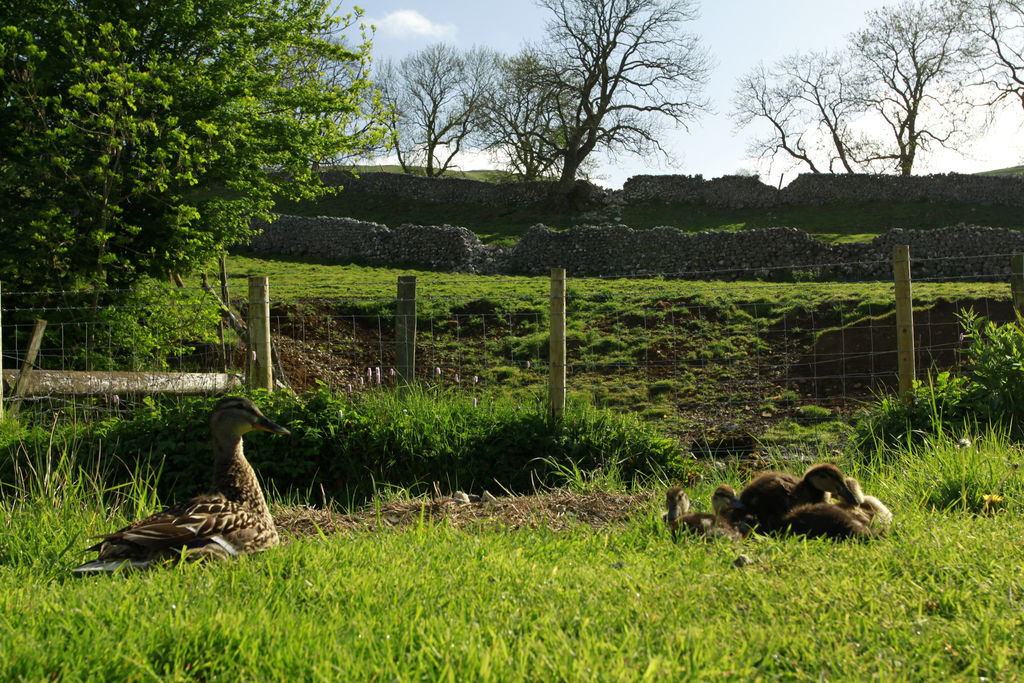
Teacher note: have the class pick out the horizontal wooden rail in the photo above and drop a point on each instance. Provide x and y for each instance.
(82, 382)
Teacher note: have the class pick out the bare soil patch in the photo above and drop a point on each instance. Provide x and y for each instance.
(557, 511)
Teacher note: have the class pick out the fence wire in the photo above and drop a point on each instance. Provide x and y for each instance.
(706, 360)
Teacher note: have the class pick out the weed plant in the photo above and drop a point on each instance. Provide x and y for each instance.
(988, 396)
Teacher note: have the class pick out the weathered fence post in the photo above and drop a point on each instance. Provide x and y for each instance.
(261, 375)
(1017, 282)
(556, 366)
(405, 329)
(904, 321)
(26, 364)
(1, 360)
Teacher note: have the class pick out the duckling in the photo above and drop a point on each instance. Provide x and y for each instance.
(826, 520)
(230, 521)
(678, 515)
(870, 510)
(771, 495)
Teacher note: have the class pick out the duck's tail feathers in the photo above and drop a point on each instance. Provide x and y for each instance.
(107, 566)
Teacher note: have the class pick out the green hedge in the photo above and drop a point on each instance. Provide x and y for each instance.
(351, 445)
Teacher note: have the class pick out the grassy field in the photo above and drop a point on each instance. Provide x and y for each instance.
(710, 341)
(936, 599)
(556, 595)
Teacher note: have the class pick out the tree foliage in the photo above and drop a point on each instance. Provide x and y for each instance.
(142, 137)
(520, 128)
(436, 97)
(619, 69)
(1001, 23)
(895, 90)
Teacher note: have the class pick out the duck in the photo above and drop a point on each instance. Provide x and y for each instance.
(827, 520)
(770, 495)
(870, 509)
(233, 519)
(678, 516)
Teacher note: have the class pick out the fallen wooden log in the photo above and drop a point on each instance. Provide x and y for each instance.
(82, 382)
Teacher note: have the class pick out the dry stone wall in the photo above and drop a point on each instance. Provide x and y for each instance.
(774, 254)
(809, 189)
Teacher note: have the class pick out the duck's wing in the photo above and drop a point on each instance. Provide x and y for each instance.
(201, 527)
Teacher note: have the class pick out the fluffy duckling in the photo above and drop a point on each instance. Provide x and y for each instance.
(870, 509)
(232, 520)
(816, 520)
(770, 495)
(678, 516)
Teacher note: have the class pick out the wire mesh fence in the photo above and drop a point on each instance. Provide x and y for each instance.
(709, 361)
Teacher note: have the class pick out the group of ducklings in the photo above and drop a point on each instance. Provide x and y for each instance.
(821, 503)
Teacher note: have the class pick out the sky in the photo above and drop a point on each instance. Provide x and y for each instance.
(738, 33)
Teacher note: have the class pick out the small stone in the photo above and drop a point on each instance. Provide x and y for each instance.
(460, 497)
(742, 560)
(488, 498)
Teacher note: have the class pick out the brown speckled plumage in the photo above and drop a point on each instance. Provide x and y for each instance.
(232, 520)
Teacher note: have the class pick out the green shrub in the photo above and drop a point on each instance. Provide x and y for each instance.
(345, 446)
(990, 394)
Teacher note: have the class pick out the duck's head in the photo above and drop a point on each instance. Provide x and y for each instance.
(238, 415)
(724, 500)
(677, 504)
(828, 478)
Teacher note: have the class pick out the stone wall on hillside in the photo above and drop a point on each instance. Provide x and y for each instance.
(777, 254)
(441, 190)
(809, 189)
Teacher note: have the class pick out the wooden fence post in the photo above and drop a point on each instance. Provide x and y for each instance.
(405, 329)
(1017, 282)
(556, 366)
(26, 364)
(1, 360)
(904, 321)
(261, 375)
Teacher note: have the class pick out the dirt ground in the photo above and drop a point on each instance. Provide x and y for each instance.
(839, 369)
(556, 510)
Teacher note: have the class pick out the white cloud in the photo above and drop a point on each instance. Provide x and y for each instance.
(409, 23)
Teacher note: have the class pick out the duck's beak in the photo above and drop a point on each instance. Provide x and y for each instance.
(673, 513)
(265, 425)
(849, 496)
(735, 503)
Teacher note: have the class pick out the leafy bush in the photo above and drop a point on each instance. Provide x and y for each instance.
(990, 394)
(346, 446)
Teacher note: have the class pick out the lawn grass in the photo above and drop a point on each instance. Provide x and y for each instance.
(937, 599)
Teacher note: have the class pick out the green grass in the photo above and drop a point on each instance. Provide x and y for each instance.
(714, 333)
(937, 599)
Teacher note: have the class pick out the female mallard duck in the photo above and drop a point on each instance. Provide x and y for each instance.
(232, 520)
(767, 498)
(677, 514)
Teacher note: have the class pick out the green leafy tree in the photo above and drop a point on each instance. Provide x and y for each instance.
(141, 137)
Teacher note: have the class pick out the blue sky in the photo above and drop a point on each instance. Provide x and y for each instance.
(739, 33)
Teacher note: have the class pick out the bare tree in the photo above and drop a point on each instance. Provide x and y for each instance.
(810, 103)
(519, 118)
(915, 57)
(1001, 63)
(435, 97)
(619, 68)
